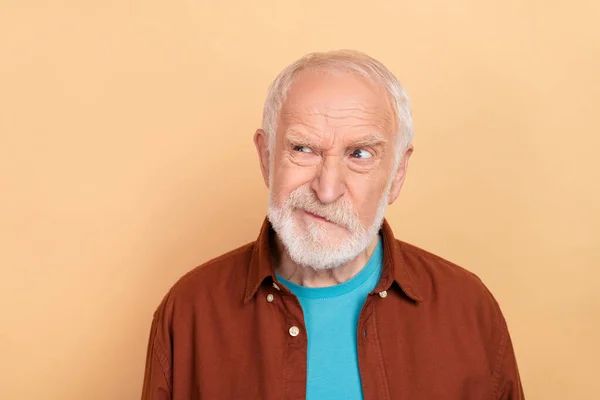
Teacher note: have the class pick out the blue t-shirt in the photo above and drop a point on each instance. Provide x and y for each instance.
(331, 317)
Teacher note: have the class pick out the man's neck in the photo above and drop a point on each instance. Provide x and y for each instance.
(310, 277)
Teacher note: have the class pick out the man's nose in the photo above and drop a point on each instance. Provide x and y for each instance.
(328, 184)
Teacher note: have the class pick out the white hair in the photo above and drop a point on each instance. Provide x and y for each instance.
(344, 60)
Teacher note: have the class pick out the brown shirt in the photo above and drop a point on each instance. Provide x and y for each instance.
(230, 330)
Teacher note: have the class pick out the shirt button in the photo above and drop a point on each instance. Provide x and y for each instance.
(294, 331)
(275, 286)
(383, 294)
(270, 298)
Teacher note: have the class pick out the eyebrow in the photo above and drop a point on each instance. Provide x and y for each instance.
(298, 139)
(370, 140)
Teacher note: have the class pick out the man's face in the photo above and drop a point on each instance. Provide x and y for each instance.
(331, 168)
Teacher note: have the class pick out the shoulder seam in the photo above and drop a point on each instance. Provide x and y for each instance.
(163, 361)
(499, 357)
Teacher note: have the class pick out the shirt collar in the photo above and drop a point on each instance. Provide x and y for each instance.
(394, 267)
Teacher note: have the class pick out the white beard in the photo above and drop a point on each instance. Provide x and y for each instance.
(312, 246)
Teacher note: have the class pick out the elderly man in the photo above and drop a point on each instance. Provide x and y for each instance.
(326, 303)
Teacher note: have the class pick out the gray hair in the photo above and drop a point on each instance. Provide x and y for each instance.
(346, 60)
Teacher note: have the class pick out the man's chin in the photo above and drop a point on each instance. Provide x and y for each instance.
(322, 240)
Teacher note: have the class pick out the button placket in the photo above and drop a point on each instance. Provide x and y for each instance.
(295, 357)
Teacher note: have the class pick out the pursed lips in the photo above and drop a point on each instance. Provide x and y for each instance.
(316, 216)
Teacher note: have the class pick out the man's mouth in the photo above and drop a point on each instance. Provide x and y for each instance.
(318, 217)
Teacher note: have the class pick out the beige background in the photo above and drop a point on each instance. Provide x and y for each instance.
(126, 159)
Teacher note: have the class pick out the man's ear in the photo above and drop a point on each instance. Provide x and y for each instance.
(399, 176)
(261, 142)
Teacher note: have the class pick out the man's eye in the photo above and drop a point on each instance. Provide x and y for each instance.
(303, 149)
(360, 153)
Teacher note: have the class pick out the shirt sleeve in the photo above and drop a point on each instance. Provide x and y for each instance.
(157, 382)
(507, 382)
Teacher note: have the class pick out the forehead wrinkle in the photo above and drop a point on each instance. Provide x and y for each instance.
(321, 124)
(353, 109)
(287, 114)
(366, 115)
